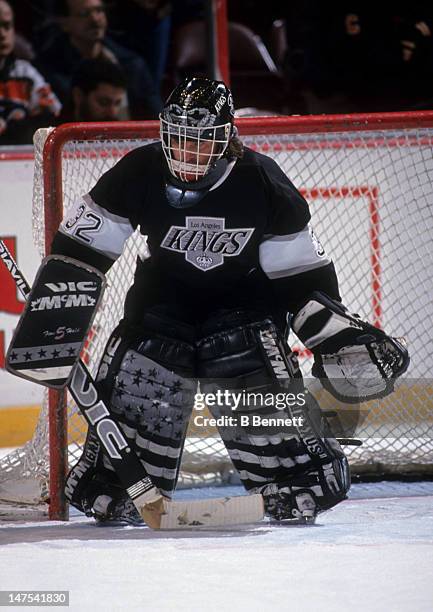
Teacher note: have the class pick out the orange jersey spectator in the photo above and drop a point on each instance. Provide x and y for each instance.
(26, 99)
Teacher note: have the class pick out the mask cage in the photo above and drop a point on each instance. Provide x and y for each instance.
(189, 144)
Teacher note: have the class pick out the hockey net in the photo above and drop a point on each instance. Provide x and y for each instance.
(368, 181)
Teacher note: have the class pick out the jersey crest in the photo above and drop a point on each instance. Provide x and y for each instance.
(205, 241)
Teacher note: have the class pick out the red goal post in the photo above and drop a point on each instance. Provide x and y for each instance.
(368, 179)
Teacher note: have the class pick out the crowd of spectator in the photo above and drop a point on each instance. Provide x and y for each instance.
(90, 60)
(350, 55)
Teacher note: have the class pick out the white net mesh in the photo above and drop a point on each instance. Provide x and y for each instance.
(371, 198)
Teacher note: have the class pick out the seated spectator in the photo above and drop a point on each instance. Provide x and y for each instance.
(98, 93)
(26, 100)
(83, 36)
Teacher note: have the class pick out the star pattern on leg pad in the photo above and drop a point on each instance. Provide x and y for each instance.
(136, 381)
(176, 387)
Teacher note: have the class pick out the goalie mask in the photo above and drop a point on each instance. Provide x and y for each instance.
(196, 127)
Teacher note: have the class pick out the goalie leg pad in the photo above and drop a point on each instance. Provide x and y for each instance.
(297, 469)
(152, 405)
(57, 317)
(323, 484)
(354, 360)
(151, 402)
(232, 359)
(96, 491)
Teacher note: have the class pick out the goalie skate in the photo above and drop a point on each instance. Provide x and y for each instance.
(122, 512)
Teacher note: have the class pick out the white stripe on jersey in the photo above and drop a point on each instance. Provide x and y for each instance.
(282, 256)
(97, 228)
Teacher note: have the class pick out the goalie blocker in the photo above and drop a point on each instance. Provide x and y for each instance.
(53, 327)
(354, 360)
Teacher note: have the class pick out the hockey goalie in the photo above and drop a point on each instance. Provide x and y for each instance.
(233, 262)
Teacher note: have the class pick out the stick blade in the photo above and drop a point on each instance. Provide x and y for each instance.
(217, 512)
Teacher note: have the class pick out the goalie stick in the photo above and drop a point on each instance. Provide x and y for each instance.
(157, 511)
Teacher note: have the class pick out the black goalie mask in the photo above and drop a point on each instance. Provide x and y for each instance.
(196, 127)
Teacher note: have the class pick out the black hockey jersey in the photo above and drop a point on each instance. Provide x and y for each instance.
(245, 243)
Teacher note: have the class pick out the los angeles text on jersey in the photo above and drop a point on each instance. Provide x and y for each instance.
(205, 241)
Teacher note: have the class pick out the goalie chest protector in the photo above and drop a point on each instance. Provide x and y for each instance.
(53, 327)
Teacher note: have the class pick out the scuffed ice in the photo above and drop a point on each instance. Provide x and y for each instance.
(373, 552)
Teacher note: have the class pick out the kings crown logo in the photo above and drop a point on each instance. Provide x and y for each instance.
(205, 241)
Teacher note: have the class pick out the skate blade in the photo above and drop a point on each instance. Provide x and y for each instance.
(303, 521)
(119, 522)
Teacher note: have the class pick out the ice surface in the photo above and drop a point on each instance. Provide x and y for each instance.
(371, 553)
